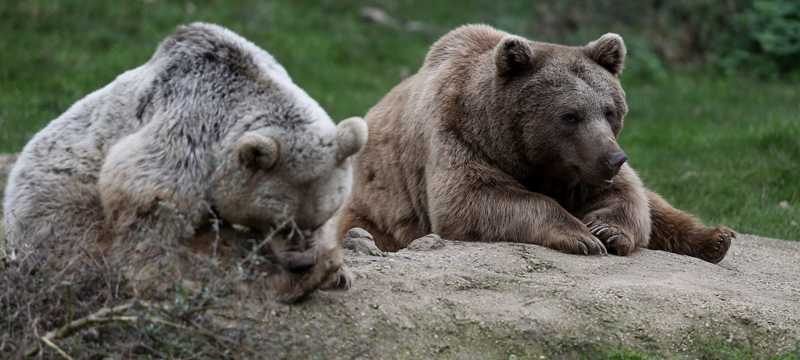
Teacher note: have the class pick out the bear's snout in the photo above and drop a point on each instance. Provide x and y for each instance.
(616, 160)
(297, 262)
(613, 162)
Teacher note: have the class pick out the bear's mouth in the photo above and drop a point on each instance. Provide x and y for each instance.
(601, 182)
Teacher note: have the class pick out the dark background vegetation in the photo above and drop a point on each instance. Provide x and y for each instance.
(712, 85)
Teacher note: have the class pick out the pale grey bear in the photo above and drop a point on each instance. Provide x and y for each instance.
(211, 126)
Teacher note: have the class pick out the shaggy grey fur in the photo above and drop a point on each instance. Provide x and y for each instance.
(210, 126)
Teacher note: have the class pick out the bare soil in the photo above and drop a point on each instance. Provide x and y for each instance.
(467, 300)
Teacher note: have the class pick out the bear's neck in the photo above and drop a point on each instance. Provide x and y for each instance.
(572, 196)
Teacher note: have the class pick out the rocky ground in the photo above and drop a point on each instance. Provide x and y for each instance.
(465, 300)
(455, 299)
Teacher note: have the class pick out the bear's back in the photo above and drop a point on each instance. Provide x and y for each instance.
(186, 107)
(78, 140)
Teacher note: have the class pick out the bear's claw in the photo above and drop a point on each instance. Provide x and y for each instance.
(592, 246)
(340, 281)
(614, 239)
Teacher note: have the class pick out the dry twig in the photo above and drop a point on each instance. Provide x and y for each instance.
(116, 314)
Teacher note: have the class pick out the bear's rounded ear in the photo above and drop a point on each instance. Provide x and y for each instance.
(257, 151)
(512, 56)
(608, 51)
(351, 136)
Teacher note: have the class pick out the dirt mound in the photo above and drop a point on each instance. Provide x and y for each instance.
(462, 300)
(468, 299)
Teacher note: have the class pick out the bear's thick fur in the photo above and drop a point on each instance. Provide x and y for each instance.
(211, 127)
(498, 138)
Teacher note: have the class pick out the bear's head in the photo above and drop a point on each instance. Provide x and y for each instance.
(278, 173)
(551, 112)
(277, 155)
(286, 166)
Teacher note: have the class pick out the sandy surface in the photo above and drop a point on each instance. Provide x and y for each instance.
(472, 299)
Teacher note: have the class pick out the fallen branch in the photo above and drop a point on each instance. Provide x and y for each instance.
(116, 314)
(102, 316)
(55, 348)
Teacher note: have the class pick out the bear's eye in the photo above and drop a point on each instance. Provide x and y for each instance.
(571, 118)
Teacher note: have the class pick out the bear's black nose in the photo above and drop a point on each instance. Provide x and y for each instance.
(617, 159)
(297, 262)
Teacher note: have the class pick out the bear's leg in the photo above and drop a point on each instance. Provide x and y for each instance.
(676, 231)
(153, 201)
(147, 241)
(52, 214)
(495, 208)
(619, 216)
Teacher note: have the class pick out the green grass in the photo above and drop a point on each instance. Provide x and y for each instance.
(725, 149)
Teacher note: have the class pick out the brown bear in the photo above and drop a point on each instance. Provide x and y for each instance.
(499, 138)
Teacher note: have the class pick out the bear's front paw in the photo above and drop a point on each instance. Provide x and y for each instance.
(576, 241)
(361, 241)
(714, 244)
(340, 280)
(325, 274)
(301, 272)
(615, 239)
(427, 242)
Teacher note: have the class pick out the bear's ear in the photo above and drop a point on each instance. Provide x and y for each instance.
(258, 152)
(608, 51)
(512, 56)
(351, 136)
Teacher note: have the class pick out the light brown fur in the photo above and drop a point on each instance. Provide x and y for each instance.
(498, 138)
